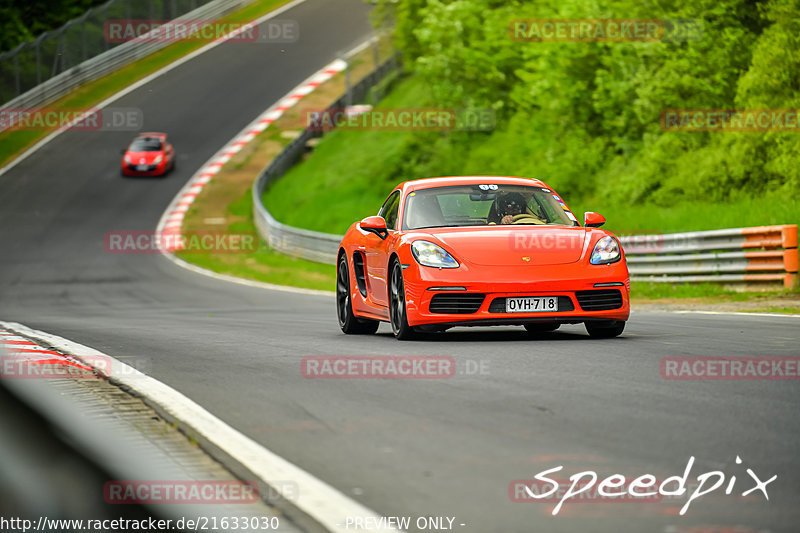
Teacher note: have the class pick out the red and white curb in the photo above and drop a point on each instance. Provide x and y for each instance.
(172, 219)
(21, 358)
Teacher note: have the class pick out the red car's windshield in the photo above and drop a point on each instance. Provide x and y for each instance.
(146, 144)
(485, 204)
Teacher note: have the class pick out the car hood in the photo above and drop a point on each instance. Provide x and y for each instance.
(143, 158)
(513, 245)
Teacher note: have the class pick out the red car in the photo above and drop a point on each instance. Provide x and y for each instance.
(474, 251)
(148, 155)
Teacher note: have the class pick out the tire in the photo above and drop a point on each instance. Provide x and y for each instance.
(348, 321)
(542, 327)
(397, 304)
(605, 329)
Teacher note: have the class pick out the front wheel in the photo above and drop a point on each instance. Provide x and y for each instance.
(348, 321)
(605, 329)
(397, 305)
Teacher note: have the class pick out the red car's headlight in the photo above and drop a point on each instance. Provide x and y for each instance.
(606, 251)
(432, 255)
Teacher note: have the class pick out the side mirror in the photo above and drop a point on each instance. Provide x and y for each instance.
(122, 152)
(376, 225)
(593, 220)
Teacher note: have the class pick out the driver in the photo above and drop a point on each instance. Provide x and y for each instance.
(510, 205)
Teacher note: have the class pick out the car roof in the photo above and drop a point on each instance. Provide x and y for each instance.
(153, 134)
(444, 181)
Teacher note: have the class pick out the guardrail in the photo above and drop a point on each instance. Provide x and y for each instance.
(312, 245)
(739, 255)
(96, 67)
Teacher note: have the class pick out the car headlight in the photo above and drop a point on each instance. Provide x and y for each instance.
(432, 255)
(128, 159)
(606, 251)
(158, 160)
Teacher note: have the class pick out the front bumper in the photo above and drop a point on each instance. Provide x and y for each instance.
(562, 281)
(153, 170)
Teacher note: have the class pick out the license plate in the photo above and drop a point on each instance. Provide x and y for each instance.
(142, 167)
(530, 304)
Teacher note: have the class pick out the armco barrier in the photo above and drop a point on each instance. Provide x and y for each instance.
(739, 255)
(313, 245)
(110, 60)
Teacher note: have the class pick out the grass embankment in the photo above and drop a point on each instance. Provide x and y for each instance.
(226, 205)
(14, 142)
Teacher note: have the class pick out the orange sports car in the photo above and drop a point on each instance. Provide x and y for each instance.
(475, 251)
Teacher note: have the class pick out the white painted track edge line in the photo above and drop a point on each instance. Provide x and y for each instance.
(737, 313)
(247, 282)
(702, 312)
(327, 506)
(147, 79)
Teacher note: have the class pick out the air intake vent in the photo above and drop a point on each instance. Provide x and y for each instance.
(601, 300)
(358, 269)
(456, 303)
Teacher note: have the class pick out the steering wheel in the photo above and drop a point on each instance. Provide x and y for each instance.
(526, 218)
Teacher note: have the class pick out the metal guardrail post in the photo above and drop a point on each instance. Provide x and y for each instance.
(349, 93)
(84, 50)
(16, 74)
(36, 44)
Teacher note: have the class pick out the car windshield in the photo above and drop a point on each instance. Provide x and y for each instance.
(145, 144)
(484, 204)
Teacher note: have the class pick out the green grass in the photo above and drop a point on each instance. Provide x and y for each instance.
(657, 291)
(265, 264)
(771, 209)
(13, 143)
(775, 309)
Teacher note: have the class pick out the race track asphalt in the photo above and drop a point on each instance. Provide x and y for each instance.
(443, 447)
